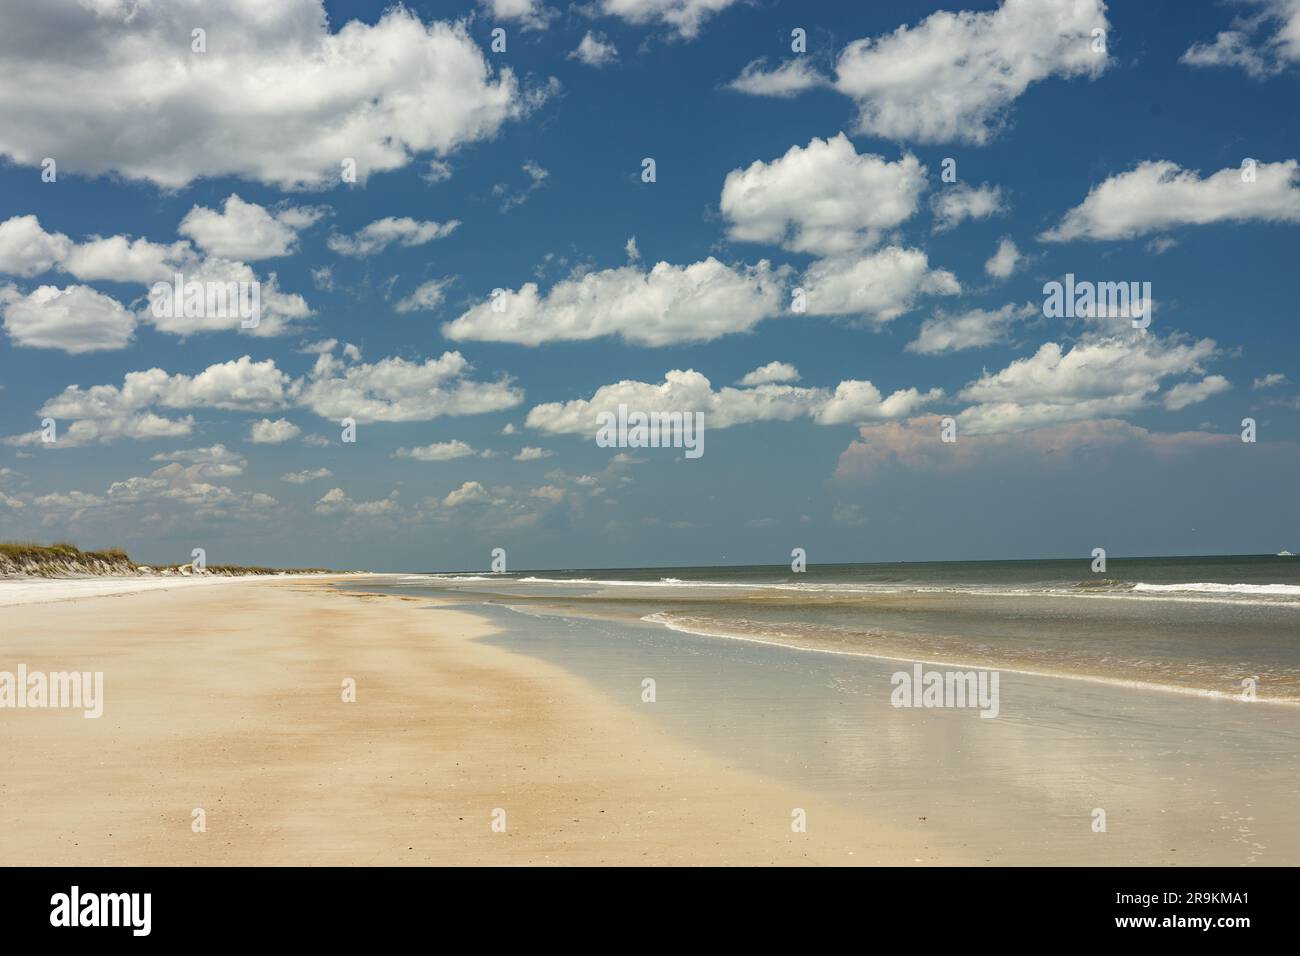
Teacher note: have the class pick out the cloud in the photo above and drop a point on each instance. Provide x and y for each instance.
(770, 373)
(335, 502)
(427, 296)
(1003, 262)
(1189, 393)
(267, 432)
(1159, 195)
(533, 454)
(686, 17)
(1262, 45)
(537, 175)
(530, 14)
(247, 231)
(787, 80)
(140, 425)
(956, 203)
(177, 495)
(304, 477)
(1270, 380)
(188, 489)
(880, 286)
(689, 391)
(215, 461)
(28, 250)
(470, 492)
(437, 172)
(237, 385)
(595, 50)
(103, 413)
(974, 328)
(438, 451)
(74, 504)
(126, 260)
(665, 306)
(824, 198)
(382, 233)
(322, 277)
(377, 94)
(914, 445)
(76, 319)
(1098, 377)
(399, 390)
(390, 390)
(280, 313)
(953, 76)
(122, 259)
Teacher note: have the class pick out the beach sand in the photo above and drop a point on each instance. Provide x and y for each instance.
(228, 698)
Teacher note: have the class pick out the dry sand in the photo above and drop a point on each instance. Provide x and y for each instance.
(228, 698)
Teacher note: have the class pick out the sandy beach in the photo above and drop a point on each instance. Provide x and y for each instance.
(228, 698)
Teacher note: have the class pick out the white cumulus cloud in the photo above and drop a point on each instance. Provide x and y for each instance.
(667, 305)
(824, 198)
(879, 287)
(689, 392)
(277, 432)
(114, 87)
(247, 231)
(1160, 195)
(967, 330)
(75, 319)
(438, 451)
(789, 79)
(954, 76)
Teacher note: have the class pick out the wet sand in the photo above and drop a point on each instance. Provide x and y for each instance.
(1181, 779)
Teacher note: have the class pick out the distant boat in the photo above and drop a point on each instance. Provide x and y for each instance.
(1285, 554)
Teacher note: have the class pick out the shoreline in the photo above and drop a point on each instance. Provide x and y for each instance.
(1200, 692)
(229, 702)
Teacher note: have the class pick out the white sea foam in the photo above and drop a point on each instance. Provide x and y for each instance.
(1186, 593)
(457, 577)
(1288, 590)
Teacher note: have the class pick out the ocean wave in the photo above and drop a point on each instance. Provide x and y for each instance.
(1110, 588)
(1099, 588)
(1287, 590)
(460, 577)
(831, 587)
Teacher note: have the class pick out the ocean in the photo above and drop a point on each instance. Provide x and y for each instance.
(1221, 626)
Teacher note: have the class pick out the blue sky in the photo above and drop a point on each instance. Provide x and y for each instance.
(775, 171)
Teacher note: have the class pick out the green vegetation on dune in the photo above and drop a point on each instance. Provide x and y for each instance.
(59, 551)
(64, 557)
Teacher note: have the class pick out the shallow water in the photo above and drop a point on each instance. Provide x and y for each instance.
(1182, 779)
